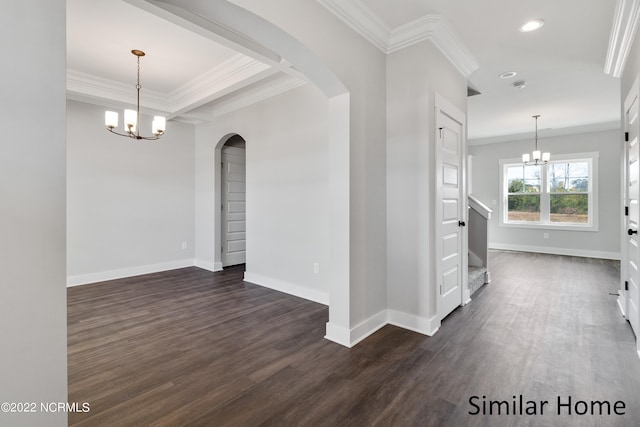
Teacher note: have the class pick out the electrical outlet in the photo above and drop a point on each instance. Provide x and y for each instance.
(545, 235)
(184, 245)
(316, 268)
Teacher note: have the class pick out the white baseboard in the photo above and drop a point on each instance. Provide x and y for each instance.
(338, 334)
(556, 251)
(287, 288)
(350, 337)
(85, 279)
(368, 327)
(466, 295)
(621, 306)
(413, 323)
(208, 265)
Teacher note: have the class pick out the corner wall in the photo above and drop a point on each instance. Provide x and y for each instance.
(414, 75)
(361, 68)
(33, 323)
(604, 243)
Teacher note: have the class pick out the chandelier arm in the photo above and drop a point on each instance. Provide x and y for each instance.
(128, 135)
(134, 136)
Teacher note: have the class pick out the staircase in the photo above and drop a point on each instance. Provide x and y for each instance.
(477, 278)
(479, 215)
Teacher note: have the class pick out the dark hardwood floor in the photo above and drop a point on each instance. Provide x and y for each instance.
(190, 347)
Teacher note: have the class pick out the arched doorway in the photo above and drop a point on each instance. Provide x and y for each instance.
(233, 202)
(223, 16)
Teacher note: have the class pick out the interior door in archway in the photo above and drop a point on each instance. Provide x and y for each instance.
(234, 215)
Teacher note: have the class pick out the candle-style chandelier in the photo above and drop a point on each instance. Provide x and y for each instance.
(132, 117)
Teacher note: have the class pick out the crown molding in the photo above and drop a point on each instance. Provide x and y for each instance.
(623, 32)
(217, 82)
(435, 29)
(360, 19)
(230, 75)
(258, 94)
(547, 133)
(429, 27)
(90, 88)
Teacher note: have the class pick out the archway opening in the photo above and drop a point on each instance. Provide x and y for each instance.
(233, 222)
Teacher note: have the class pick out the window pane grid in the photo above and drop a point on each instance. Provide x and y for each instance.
(556, 193)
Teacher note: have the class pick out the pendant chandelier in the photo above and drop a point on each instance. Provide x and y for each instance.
(132, 117)
(537, 157)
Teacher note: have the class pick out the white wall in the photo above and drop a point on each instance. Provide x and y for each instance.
(130, 204)
(287, 190)
(414, 75)
(32, 209)
(362, 69)
(603, 243)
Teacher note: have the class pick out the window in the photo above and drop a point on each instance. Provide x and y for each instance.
(561, 194)
(524, 184)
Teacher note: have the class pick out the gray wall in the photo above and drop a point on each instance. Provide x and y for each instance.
(362, 69)
(287, 190)
(603, 243)
(32, 209)
(130, 204)
(414, 75)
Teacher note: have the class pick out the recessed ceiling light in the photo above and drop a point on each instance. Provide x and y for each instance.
(520, 85)
(508, 75)
(532, 25)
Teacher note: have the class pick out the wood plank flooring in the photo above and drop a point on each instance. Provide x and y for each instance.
(190, 347)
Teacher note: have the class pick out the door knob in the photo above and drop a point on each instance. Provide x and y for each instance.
(462, 224)
(631, 232)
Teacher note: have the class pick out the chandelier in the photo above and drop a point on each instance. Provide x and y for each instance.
(537, 157)
(132, 117)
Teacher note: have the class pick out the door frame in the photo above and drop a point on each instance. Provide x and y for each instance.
(623, 294)
(443, 106)
(217, 200)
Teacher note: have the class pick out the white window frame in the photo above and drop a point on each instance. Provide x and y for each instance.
(545, 223)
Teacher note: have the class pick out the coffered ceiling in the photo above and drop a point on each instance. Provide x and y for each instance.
(185, 73)
(194, 75)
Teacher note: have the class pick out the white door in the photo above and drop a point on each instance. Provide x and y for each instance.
(632, 280)
(233, 206)
(450, 209)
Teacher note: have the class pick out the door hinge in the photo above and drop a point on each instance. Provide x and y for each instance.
(626, 285)
(222, 249)
(440, 129)
(626, 136)
(626, 211)
(440, 289)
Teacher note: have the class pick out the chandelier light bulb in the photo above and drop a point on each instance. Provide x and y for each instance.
(158, 125)
(130, 120)
(111, 119)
